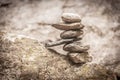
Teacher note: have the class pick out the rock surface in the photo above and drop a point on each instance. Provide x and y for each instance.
(27, 59)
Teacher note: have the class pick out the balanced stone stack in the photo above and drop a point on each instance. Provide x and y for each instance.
(70, 37)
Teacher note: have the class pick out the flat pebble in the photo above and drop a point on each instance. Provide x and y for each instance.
(74, 47)
(71, 34)
(61, 41)
(79, 58)
(70, 17)
(72, 26)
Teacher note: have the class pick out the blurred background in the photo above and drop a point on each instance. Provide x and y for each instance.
(32, 18)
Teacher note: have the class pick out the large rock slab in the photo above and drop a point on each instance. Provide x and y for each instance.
(27, 59)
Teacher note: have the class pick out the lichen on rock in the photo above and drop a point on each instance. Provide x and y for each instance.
(96, 72)
(28, 59)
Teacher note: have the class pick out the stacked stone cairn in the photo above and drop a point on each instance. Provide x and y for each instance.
(70, 37)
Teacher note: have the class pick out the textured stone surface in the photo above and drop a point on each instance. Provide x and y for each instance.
(27, 59)
(96, 72)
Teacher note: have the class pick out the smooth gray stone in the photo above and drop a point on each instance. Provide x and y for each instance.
(70, 17)
(75, 47)
(71, 34)
(72, 26)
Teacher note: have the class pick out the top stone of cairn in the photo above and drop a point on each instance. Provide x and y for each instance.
(70, 17)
